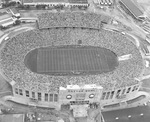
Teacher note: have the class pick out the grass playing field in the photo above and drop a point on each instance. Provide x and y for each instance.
(73, 60)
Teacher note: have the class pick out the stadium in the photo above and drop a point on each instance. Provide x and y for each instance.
(70, 49)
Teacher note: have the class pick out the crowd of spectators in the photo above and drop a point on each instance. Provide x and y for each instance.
(15, 50)
(71, 19)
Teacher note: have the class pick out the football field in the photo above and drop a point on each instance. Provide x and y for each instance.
(73, 60)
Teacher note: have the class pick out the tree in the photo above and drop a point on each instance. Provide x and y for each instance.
(7, 3)
(13, 3)
(17, 22)
(27, 7)
(20, 6)
(2, 27)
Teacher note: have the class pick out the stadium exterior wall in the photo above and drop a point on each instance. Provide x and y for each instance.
(49, 100)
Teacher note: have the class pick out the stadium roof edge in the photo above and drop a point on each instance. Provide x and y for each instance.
(46, 1)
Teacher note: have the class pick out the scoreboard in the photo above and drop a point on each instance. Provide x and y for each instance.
(77, 94)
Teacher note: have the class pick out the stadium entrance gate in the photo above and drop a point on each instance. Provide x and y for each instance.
(81, 99)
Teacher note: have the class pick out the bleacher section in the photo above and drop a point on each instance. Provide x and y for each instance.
(74, 19)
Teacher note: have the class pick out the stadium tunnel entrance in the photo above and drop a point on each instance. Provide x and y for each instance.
(71, 60)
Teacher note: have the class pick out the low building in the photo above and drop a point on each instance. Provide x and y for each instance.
(7, 22)
(73, 3)
(104, 2)
(6, 19)
(27, 19)
(132, 8)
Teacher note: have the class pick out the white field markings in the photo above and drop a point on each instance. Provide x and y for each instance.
(125, 57)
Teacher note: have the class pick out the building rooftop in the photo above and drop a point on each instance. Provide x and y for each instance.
(132, 8)
(6, 21)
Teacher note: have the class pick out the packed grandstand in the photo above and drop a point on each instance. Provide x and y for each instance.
(58, 29)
